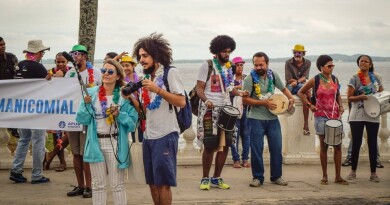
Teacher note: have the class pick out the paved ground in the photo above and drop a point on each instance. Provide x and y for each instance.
(304, 188)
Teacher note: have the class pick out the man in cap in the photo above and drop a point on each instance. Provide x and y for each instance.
(91, 77)
(241, 124)
(30, 68)
(8, 63)
(297, 71)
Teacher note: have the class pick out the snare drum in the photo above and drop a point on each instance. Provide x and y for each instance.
(228, 117)
(333, 132)
(281, 102)
(377, 104)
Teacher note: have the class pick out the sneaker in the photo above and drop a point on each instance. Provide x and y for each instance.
(256, 183)
(351, 175)
(379, 164)
(76, 191)
(87, 193)
(374, 178)
(346, 163)
(40, 181)
(219, 183)
(17, 177)
(205, 184)
(280, 182)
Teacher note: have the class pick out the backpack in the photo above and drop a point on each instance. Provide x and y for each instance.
(184, 116)
(194, 99)
(313, 98)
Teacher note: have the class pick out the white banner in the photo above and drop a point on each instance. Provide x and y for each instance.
(40, 103)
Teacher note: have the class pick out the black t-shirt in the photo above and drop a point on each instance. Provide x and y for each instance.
(30, 69)
(7, 66)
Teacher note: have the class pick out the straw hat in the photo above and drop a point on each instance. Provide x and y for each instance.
(127, 58)
(299, 47)
(35, 46)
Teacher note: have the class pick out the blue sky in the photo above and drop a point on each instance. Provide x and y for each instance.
(331, 26)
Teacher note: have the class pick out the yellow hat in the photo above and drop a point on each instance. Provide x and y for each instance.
(127, 58)
(299, 47)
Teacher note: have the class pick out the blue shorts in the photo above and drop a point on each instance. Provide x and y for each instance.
(160, 159)
(319, 125)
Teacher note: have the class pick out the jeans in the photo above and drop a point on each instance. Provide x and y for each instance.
(271, 128)
(242, 132)
(37, 138)
(294, 90)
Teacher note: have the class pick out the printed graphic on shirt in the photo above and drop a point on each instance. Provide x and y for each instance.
(215, 84)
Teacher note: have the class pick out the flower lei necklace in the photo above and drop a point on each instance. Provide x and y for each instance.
(229, 79)
(256, 80)
(90, 74)
(103, 103)
(363, 80)
(157, 100)
(135, 76)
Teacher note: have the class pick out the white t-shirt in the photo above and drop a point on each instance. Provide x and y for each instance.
(101, 124)
(214, 85)
(160, 121)
(357, 112)
(84, 75)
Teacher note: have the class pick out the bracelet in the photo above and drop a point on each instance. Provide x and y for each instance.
(205, 102)
(308, 104)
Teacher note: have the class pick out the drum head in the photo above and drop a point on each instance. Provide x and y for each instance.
(372, 106)
(281, 102)
(333, 123)
(231, 110)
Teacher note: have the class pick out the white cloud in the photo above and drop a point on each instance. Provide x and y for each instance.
(333, 26)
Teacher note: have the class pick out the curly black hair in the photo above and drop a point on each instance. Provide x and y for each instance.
(156, 46)
(222, 42)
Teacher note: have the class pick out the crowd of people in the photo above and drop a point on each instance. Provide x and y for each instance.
(109, 115)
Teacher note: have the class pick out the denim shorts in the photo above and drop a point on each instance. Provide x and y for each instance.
(319, 125)
(160, 159)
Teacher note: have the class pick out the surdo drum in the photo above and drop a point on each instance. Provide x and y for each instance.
(377, 104)
(333, 132)
(227, 117)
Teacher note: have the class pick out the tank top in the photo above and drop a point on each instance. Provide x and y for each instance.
(327, 105)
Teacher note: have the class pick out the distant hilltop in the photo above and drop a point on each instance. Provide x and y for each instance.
(313, 58)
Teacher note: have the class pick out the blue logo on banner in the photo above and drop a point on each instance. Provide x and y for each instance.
(61, 124)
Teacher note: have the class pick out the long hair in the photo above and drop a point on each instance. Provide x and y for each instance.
(222, 42)
(156, 46)
(371, 69)
(119, 70)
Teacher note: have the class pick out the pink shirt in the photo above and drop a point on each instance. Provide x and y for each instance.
(327, 105)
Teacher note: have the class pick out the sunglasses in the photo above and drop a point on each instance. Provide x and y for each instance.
(104, 71)
(298, 53)
(76, 53)
(329, 66)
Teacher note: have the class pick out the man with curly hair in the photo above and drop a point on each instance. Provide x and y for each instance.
(213, 90)
(161, 135)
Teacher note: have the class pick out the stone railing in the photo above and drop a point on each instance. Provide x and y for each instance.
(297, 148)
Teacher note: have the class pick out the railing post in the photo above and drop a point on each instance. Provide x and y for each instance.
(384, 133)
(189, 155)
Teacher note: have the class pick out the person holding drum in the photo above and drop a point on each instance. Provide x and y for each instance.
(362, 84)
(214, 82)
(261, 85)
(326, 108)
(297, 71)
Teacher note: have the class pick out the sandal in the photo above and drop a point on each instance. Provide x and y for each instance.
(306, 132)
(341, 182)
(237, 164)
(246, 164)
(61, 168)
(324, 181)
